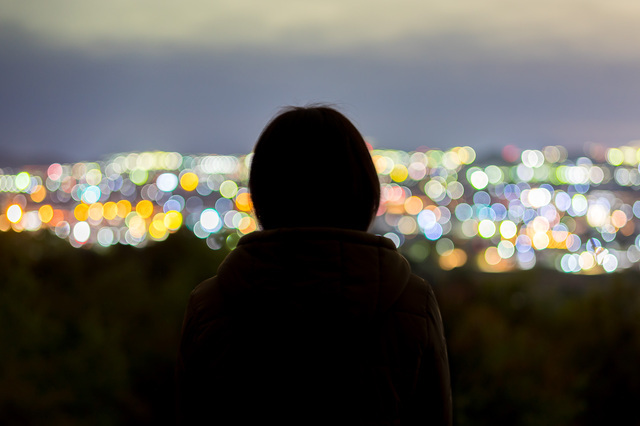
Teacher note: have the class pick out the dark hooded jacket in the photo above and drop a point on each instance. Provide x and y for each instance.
(313, 326)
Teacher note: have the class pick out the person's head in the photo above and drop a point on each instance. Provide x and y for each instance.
(311, 168)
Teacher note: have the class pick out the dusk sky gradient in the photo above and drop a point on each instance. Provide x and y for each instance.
(82, 79)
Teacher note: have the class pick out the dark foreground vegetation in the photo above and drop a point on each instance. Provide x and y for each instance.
(90, 337)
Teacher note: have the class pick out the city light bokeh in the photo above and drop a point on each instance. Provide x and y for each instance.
(525, 208)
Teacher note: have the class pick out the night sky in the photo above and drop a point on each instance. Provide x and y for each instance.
(83, 79)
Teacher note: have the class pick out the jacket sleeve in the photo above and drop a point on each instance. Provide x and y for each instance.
(432, 404)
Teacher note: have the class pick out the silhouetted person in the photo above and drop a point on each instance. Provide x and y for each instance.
(313, 320)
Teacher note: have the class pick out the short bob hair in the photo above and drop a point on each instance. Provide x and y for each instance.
(311, 168)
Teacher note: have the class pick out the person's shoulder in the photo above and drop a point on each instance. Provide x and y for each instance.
(206, 299)
(204, 289)
(417, 297)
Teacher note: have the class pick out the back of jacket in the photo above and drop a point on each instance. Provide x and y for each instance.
(313, 326)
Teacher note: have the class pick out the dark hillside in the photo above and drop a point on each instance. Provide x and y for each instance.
(90, 337)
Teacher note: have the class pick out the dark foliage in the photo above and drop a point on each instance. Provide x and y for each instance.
(90, 337)
(542, 348)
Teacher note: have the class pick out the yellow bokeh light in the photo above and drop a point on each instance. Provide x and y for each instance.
(17, 227)
(243, 202)
(586, 260)
(81, 212)
(629, 154)
(492, 256)
(618, 219)
(452, 259)
(38, 194)
(5, 225)
(124, 208)
(14, 213)
(144, 208)
(384, 165)
(22, 181)
(399, 173)
(189, 181)
(137, 226)
(110, 210)
(173, 220)
(615, 157)
(96, 211)
(45, 213)
(380, 163)
(157, 230)
(540, 240)
(413, 205)
(247, 225)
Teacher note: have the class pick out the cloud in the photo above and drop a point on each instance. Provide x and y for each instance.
(80, 107)
(78, 81)
(522, 28)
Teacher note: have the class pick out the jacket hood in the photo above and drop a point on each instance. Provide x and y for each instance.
(315, 269)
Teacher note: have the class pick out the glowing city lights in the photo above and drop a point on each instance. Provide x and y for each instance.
(243, 202)
(228, 189)
(14, 213)
(22, 181)
(167, 182)
(479, 179)
(508, 229)
(399, 173)
(45, 213)
(534, 207)
(144, 208)
(81, 232)
(210, 220)
(189, 181)
(486, 228)
(81, 212)
(172, 220)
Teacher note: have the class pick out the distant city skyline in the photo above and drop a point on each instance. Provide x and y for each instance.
(535, 208)
(85, 79)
